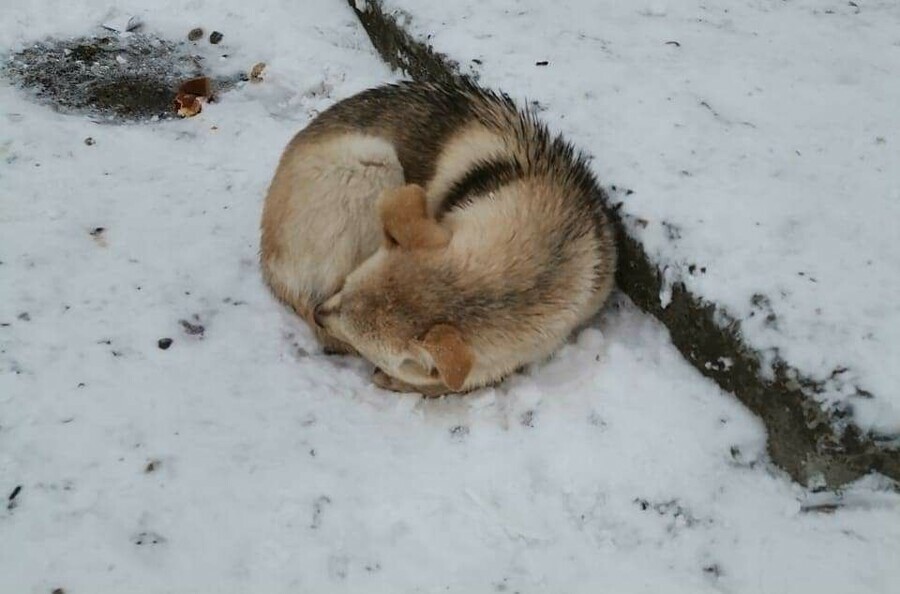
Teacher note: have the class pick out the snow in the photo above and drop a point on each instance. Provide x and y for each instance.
(241, 459)
(761, 141)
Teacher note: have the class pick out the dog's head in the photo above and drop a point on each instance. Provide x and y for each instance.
(394, 308)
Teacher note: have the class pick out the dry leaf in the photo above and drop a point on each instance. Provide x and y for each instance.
(187, 105)
(200, 86)
(192, 93)
(256, 73)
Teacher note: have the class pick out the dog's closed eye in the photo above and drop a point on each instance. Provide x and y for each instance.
(415, 368)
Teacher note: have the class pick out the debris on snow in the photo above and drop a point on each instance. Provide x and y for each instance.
(256, 73)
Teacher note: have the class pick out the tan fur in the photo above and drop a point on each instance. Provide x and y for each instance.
(448, 288)
(406, 222)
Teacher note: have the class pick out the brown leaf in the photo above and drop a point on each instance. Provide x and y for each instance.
(200, 86)
(256, 73)
(187, 105)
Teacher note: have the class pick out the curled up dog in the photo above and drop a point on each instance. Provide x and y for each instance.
(438, 231)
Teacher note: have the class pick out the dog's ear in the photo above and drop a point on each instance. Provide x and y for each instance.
(405, 219)
(444, 349)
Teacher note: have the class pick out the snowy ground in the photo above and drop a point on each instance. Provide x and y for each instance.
(761, 139)
(243, 460)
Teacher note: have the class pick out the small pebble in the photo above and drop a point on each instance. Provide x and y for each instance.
(215, 37)
(195, 34)
(90, 141)
(11, 501)
(164, 343)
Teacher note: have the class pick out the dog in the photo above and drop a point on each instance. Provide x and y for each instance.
(440, 232)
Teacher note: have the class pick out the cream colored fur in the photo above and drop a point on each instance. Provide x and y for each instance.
(469, 145)
(319, 220)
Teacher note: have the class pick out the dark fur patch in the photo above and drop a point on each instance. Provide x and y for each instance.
(429, 114)
(485, 177)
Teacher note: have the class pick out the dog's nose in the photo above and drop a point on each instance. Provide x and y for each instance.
(317, 316)
(322, 311)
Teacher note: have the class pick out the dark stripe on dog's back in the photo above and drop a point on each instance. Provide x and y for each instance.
(484, 177)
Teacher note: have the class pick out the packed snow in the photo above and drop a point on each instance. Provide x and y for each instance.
(761, 140)
(241, 459)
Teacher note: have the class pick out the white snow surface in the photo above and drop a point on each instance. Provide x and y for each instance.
(243, 460)
(761, 139)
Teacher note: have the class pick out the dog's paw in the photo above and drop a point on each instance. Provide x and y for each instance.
(333, 346)
(386, 382)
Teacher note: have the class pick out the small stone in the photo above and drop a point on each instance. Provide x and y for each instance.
(58, 591)
(713, 570)
(164, 343)
(195, 34)
(215, 37)
(98, 233)
(11, 501)
(90, 141)
(152, 465)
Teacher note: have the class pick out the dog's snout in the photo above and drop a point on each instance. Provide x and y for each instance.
(323, 310)
(317, 316)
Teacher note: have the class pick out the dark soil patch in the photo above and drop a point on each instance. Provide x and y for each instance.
(129, 77)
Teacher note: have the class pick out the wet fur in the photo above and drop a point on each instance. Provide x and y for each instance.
(504, 243)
